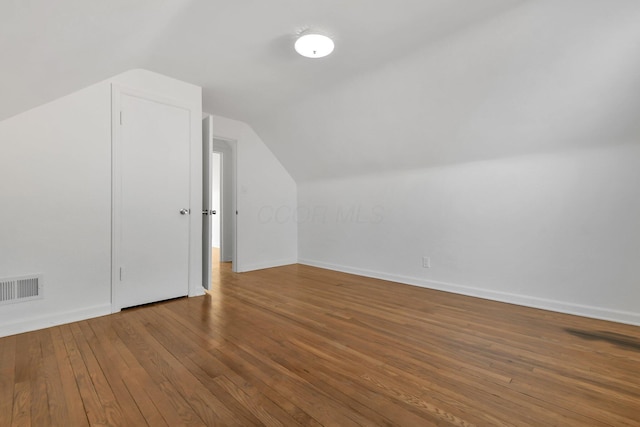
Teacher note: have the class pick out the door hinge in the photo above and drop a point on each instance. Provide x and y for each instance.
(120, 117)
(121, 274)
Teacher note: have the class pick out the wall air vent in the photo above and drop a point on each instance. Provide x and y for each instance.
(18, 289)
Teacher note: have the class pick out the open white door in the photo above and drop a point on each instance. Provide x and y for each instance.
(226, 212)
(206, 202)
(151, 200)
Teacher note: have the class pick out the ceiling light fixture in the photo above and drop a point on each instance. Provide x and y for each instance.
(314, 45)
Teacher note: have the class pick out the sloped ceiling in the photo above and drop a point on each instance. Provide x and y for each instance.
(411, 83)
(543, 76)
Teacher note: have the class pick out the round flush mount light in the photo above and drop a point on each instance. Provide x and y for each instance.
(314, 45)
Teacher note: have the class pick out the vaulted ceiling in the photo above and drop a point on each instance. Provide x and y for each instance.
(411, 83)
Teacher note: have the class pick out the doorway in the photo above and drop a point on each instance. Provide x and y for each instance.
(216, 212)
(219, 205)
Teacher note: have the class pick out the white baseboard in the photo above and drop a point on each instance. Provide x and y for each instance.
(266, 264)
(524, 300)
(41, 322)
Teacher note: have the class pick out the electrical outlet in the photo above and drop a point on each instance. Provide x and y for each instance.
(426, 262)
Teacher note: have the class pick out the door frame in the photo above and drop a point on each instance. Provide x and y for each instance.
(117, 90)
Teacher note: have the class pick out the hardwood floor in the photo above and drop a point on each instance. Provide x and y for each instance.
(303, 346)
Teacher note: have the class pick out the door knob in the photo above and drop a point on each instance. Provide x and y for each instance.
(184, 211)
(213, 212)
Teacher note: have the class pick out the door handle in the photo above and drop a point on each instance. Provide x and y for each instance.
(184, 211)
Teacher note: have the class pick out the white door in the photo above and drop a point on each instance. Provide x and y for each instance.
(151, 201)
(206, 202)
(226, 214)
(216, 193)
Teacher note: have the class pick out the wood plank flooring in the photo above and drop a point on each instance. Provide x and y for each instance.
(299, 345)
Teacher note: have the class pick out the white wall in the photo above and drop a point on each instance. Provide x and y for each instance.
(507, 152)
(556, 231)
(55, 192)
(267, 235)
(55, 219)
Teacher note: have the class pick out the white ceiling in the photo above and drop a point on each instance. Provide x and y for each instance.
(555, 75)
(239, 51)
(447, 69)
